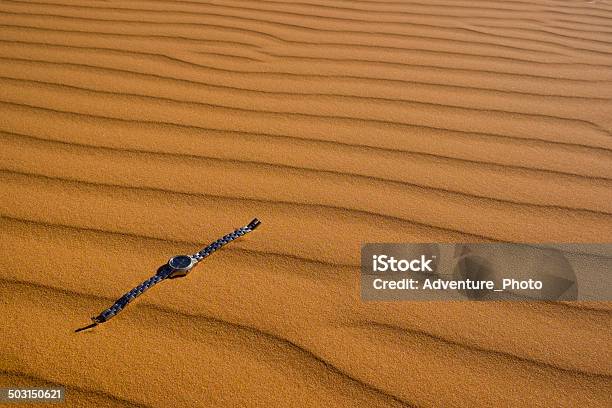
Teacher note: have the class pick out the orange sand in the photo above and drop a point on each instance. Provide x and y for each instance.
(134, 130)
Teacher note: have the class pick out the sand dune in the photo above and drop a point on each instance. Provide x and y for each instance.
(134, 130)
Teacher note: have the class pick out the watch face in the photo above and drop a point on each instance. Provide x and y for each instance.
(180, 262)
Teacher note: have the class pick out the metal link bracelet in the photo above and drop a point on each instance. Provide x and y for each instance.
(176, 267)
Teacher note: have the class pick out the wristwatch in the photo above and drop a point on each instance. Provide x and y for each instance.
(176, 267)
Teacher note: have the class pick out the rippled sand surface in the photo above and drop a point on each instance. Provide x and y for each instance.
(133, 130)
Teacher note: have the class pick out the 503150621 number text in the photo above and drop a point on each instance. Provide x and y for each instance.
(55, 394)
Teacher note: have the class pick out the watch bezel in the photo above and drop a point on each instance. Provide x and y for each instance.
(186, 268)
